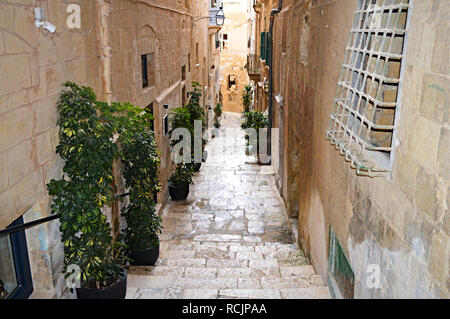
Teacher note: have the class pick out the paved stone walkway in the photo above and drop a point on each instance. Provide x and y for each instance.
(230, 238)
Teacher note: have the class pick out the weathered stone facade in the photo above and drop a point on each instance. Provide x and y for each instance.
(399, 222)
(105, 54)
(234, 36)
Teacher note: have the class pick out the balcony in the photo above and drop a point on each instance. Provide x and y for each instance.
(253, 66)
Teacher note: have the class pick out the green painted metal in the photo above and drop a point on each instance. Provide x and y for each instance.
(341, 279)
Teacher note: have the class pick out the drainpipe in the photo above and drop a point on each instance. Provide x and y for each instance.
(272, 20)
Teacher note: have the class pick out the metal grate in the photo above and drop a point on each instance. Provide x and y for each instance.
(362, 119)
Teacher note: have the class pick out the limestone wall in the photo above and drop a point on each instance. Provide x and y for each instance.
(33, 64)
(399, 222)
(103, 54)
(234, 55)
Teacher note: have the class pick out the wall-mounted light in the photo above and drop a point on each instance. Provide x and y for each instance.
(166, 106)
(220, 17)
(39, 13)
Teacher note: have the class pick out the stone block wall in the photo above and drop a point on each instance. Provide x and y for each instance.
(34, 64)
(234, 56)
(398, 222)
(103, 54)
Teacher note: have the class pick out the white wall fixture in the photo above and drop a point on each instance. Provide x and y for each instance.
(40, 20)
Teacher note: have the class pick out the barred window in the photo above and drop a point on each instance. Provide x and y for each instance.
(362, 121)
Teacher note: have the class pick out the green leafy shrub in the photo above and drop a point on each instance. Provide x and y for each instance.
(185, 117)
(247, 97)
(140, 161)
(218, 110)
(92, 135)
(181, 176)
(255, 120)
(85, 144)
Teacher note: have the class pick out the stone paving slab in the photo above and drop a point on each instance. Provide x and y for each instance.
(230, 238)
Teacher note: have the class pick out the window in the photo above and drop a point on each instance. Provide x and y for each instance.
(15, 272)
(264, 54)
(232, 81)
(217, 41)
(224, 41)
(166, 124)
(183, 73)
(148, 73)
(189, 62)
(341, 279)
(363, 116)
(196, 53)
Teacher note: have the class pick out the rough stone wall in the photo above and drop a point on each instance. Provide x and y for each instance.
(143, 27)
(234, 57)
(400, 222)
(34, 64)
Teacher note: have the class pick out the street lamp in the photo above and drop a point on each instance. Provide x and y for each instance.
(220, 17)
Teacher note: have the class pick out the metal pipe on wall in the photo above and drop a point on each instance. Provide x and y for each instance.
(270, 108)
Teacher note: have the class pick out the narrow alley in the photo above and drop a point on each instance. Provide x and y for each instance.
(230, 238)
(322, 126)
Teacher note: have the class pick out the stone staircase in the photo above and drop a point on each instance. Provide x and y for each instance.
(209, 270)
(231, 238)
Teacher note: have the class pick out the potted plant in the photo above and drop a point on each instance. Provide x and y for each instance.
(86, 187)
(247, 97)
(140, 161)
(197, 113)
(218, 111)
(254, 120)
(216, 129)
(185, 117)
(179, 182)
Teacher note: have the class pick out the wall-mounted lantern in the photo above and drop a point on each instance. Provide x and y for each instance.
(220, 17)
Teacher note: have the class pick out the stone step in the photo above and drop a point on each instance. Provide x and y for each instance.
(286, 277)
(306, 293)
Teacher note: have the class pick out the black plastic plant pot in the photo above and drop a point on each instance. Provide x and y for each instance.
(197, 167)
(116, 291)
(179, 192)
(147, 257)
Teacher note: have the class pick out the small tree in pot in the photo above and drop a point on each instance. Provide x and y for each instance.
(247, 98)
(197, 113)
(140, 161)
(179, 182)
(254, 120)
(86, 187)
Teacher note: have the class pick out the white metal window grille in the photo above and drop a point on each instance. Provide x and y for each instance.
(362, 119)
